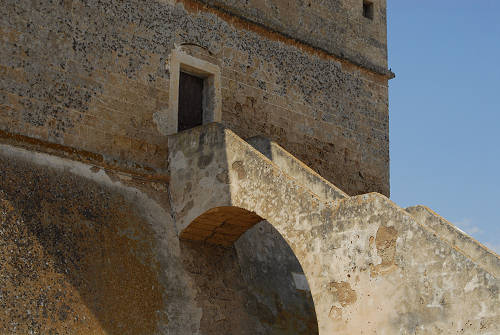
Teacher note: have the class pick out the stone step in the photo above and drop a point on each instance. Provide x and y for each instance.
(457, 239)
(328, 192)
(296, 169)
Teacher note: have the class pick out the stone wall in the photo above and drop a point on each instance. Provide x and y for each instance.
(88, 251)
(338, 27)
(93, 75)
(76, 256)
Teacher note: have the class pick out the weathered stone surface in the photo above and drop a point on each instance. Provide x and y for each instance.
(118, 228)
(296, 169)
(94, 75)
(371, 267)
(336, 26)
(456, 238)
(277, 282)
(88, 251)
(92, 251)
(83, 252)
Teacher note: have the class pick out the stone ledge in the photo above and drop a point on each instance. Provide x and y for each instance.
(87, 157)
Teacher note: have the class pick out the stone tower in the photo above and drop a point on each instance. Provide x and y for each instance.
(205, 167)
(102, 78)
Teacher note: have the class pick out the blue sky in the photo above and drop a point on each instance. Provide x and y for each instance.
(445, 110)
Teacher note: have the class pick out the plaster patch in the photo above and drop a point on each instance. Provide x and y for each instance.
(300, 281)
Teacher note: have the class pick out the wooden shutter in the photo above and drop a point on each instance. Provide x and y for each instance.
(190, 101)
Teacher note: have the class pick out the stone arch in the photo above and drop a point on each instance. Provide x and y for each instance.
(212, 170)
(220, 225)
(362, 255)
(276, 292)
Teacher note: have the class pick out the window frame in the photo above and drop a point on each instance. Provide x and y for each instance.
(210, 73)
(368, 9)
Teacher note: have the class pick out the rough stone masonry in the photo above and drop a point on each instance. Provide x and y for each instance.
(271, 217)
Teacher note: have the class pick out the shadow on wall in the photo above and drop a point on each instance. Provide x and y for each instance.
(252, 286)
(74, 258)
(276, 281)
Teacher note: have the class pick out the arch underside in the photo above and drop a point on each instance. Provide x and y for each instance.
(220, 225)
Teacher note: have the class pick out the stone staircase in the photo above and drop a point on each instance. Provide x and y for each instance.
(457, 239)
(372, 266)
(297, 169)
(326, 191)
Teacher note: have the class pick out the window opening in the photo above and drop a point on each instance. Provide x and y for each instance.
(194, 93)
(190, 101)
(368, 9)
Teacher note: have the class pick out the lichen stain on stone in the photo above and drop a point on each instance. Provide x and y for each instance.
(205, 160)
(335, 313)
(75, 257)
(385, 242)
(223, 177)
(371, 241)
(240, 169)
(343, 292)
